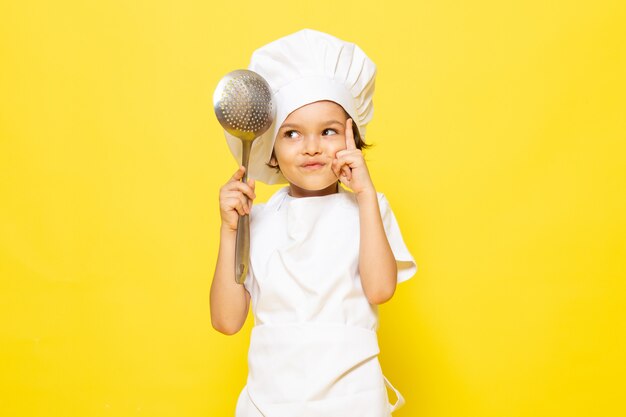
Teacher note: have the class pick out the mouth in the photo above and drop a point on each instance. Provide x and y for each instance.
(313, 165)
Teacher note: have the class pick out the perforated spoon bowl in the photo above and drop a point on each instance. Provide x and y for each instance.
(244, 107)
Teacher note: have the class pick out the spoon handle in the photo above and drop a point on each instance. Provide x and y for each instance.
(242, 249)
(242, 244)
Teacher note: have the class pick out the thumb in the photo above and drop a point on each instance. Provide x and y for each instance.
(238, 175)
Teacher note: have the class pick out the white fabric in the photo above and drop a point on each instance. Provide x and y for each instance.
(302, 68)
(314, 351)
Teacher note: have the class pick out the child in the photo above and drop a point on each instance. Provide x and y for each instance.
(321, 257)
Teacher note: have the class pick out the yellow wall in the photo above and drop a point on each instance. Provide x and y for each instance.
(500, 143)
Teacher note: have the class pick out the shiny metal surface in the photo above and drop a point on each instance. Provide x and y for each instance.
(244, 107)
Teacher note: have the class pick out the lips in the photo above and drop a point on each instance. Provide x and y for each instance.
(313, 164)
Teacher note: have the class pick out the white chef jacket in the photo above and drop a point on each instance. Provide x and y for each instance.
(313, 350)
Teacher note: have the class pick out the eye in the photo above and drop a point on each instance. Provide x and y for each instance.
(332, 132)
(290, 134)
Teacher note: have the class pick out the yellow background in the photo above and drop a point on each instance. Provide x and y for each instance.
(499, 136)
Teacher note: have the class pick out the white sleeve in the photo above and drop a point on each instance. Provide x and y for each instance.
(405, 262)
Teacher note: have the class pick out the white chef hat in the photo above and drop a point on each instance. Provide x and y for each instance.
(302, 68)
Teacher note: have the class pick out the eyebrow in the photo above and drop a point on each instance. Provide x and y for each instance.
(325, 123)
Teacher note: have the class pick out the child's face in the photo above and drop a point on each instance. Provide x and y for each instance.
(306, 145)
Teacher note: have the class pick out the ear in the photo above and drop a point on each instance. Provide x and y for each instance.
(273, 163)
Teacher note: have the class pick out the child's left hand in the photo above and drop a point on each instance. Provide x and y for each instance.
(349, 165)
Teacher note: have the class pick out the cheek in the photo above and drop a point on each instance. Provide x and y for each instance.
(283, 154)
(336, 145)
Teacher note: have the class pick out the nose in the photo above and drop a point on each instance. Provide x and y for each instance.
(311, 145)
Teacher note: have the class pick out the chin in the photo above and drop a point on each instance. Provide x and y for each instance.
(317, 186)
(314, 186)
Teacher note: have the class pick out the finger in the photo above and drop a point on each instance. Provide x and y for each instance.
(244, 204)
(346, 172)
(249, 186)
(234, 203)
(336, 167)
(240, 203)
(240, 187)
(348, 158)
(349, 155)
(240, 210)
(251, 196)
(350, 143)
(238, 194)
(232, 200)
(238, 175)
(341, 167)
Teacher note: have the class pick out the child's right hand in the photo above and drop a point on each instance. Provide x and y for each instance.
(233, 199)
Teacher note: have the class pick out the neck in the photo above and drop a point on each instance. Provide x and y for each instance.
(298, 192)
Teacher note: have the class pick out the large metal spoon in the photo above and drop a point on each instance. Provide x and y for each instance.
(244, 107)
